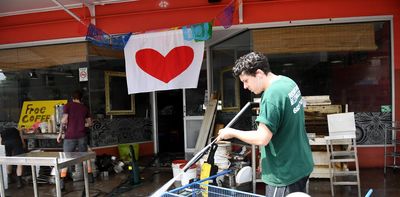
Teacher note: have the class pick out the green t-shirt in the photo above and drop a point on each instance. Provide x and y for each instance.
(287, 158)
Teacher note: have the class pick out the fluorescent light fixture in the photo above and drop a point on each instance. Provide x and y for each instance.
(69, 74)
(33, 75)
(288, 64)
(2, 76)
(163, 4)
(336, 61)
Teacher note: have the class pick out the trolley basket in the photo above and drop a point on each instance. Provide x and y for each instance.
(200, 189)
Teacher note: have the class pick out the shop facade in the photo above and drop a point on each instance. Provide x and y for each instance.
(329, 48)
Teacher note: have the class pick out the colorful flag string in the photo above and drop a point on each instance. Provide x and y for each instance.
(197, 32)
(225, 17)
(100, 38)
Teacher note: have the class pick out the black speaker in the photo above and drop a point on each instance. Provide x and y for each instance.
(214, 1)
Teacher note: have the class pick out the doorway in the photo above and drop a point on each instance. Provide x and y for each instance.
(170, 121)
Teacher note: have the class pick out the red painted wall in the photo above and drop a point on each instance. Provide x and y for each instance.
(146, 15)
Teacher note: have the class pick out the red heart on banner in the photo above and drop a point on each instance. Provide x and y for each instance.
(165, 68)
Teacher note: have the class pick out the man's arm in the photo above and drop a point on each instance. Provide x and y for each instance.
(88, 122)
(22, 139)
(64, 121)
(261, 136)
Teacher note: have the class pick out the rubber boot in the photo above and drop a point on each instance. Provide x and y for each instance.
(91, 178)
(19, 182)
(9, 178)
(62, 184)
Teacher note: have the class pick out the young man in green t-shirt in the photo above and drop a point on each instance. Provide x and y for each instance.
(285, 153)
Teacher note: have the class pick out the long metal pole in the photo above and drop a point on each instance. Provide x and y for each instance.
(153, 98)
(57, 178)
(69, 12)
(2, 190)
(34, 180)
(86, 177)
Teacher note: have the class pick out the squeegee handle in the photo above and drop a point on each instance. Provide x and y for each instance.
(203, 151)
(234, 119)
(197, 157)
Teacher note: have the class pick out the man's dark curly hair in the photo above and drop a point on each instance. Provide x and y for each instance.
(249, 63)
(77, 94)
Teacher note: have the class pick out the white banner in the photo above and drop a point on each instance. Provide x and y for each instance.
(162, 61)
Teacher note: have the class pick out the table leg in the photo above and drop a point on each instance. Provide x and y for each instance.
(86, 177)
(2, 190)
(34, 181)
(57, 178)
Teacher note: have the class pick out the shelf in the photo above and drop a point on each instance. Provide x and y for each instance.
(393, 154)
(393, 129)
(393, 166)
(40, 136)
(397, 141)
(46, 149)
(320, 172)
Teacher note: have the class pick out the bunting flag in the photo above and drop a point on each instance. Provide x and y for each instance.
(225, 18)
(198, 32)
(119, 41)
(162, 61)
(97, 36)
(100, 38)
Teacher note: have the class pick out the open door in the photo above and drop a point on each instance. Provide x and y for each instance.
(170, 121)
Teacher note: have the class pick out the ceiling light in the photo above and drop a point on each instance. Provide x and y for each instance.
(336, 61)
(69, 74)
(2, 76)
(33, 75)
(163, 4)
(288, 64)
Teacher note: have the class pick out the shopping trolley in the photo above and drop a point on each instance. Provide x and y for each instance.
(200, 189)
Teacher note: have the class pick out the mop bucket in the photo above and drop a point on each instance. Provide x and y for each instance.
(176, 170)
(190, 173)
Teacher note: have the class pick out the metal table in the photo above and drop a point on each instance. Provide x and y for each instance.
(32, 141)
(58, 160)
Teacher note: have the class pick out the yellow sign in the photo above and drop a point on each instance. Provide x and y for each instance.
(37, 111)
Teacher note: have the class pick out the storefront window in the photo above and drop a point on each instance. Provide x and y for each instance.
(47, 72)
(351, 63)
(51, 72)
(17, 86)
(359, 78)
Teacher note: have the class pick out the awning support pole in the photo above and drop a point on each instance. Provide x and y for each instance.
(69, 12)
